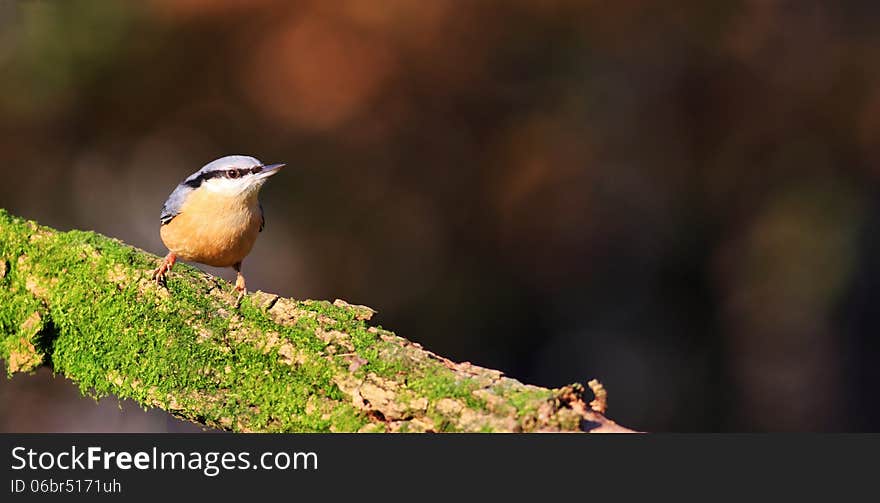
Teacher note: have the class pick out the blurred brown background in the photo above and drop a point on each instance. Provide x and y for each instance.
(679, 198)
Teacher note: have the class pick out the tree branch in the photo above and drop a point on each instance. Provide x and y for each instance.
(84, 304)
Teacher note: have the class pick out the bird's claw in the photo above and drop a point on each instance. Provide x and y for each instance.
(159, 273)
(241, 288)
(159, 276)
(161, 281)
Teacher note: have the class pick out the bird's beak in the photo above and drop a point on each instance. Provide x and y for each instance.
(270, 169)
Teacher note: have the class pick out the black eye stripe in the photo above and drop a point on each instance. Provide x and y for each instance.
(226, 173)
(198, 180)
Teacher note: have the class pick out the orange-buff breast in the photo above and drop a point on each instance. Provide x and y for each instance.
(213, 229)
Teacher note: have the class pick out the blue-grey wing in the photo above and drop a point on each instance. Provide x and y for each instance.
(262, 218)
(175, 201)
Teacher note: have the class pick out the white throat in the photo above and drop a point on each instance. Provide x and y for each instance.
(240, 187)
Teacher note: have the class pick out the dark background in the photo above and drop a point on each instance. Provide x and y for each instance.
(678, 198)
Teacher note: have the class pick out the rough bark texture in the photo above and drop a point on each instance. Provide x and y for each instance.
(84, 304)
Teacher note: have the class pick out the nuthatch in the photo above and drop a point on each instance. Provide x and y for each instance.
(214, 216)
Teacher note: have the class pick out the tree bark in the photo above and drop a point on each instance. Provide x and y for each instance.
(84, 304)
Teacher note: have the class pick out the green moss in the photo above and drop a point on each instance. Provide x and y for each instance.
(527, 400)
(346, 419)
(115, 333)
(444, 425)
(192, 352)
(384, 367)
(443, 383)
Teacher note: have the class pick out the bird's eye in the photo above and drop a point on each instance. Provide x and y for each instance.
(232, 173)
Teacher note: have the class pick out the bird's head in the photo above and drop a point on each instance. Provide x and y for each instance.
(233, 175)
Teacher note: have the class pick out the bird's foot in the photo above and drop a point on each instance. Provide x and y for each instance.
(159, 272)
(241, 288)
